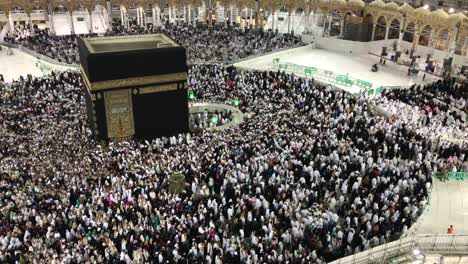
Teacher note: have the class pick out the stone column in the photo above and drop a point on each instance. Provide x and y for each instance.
(415, 41)
(252, 20)
(289, 22)
(342, 26)
(138, 16)
(273, 20)
(373, 31)
(50, 17)
(189, 7)
(225, 16)
(307, 22)
(121, 17)
(170, 15)
(400, 38)
(210, 15)
(109, 14)
(329, 24)
(430, 43)
(127, 21)
(31, 26)
(387, 29)
(257, 15)
(185, 14)
(153, 14)
(158, 17)
(175, 11)
(231, 16)
(292, 23)
(90, 21)
(12, 23)
(323, 24)
(401, 33)
(72, 23)
(453, 42)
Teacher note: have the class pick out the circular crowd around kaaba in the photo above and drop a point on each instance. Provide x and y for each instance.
(311, 175)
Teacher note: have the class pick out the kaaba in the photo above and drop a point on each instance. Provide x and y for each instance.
(135, 86)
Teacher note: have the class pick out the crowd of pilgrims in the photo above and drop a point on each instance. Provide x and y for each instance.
(431, 115)
(219, 44)
(311, 175)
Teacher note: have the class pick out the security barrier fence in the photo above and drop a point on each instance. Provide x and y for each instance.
(447, 176)
(417, 245)
(330, 77)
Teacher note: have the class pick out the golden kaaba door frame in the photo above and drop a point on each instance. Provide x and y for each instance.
(119, 114)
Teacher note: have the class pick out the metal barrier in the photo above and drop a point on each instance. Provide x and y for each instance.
(325, 76)
(424, 244)
(459, 175)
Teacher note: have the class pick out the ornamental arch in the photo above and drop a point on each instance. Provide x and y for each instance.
(394, 29)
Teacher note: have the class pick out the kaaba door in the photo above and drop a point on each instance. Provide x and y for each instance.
(119, 114)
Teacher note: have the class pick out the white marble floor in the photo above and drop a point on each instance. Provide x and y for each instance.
(448, 206)
(357, 66)
(20, 63)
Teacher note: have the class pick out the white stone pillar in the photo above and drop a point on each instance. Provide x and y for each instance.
(400, 39)
(307, 22)
(153, 13)
(329, 24)
(72, 23)
(342, 27)
(430, 43)
(127, 21)
(415, 40)
(373, 32)
(225, 17)
(189, 19)
(12, 23)
(453, 43)
(273, 21)
(109, 14)
(289, 22)
(292, 23)
(122, 22)
(138, 16)
(170, 15)
(387, 29)
(185, 14)
(251, 20)
(90, 21)
(231, 15)
(158, 17)
(31, 25)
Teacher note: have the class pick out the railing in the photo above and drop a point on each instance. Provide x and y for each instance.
(331, 77)
(414, 245)
(459, 176)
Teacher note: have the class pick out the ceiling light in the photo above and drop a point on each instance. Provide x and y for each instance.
(416, 252)
(451, 10)
(426, 6)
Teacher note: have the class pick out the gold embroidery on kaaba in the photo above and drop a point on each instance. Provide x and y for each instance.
(159, 88)
(138, 81)
(119, 114)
